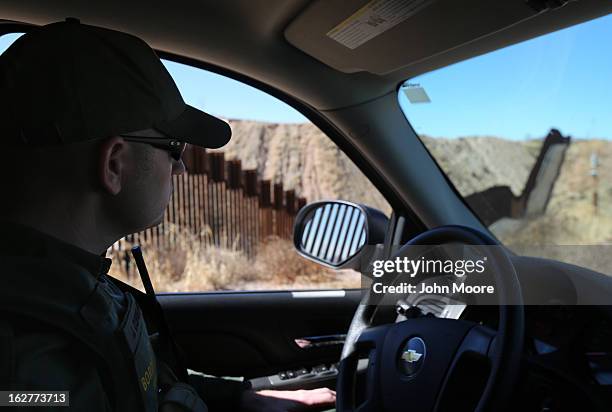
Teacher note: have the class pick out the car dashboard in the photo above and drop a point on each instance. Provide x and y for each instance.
(567, 354)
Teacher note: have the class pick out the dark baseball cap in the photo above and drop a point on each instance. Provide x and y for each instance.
(68, 82)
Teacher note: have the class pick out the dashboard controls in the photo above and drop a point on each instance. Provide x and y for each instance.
(303, 373)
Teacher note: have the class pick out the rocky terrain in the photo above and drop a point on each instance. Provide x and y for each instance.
(571, 217)
(476, 163)
(304, 159)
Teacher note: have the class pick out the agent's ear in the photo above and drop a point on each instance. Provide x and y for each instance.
(111, 164)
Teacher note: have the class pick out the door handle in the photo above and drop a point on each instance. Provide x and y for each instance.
(309, 342)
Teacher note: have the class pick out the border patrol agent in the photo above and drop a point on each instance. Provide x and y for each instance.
(65, 83)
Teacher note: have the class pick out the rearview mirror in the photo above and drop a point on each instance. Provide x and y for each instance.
(334, 233)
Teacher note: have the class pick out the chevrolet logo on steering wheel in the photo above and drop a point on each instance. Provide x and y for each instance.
(411, 356)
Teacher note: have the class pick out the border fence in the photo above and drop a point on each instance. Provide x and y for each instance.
(222, 205)
(498, 202)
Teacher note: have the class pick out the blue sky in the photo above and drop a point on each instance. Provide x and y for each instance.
(563, 80)
(228, 98)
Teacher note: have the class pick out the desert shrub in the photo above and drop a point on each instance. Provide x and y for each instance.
(190, 265)
(277, 261)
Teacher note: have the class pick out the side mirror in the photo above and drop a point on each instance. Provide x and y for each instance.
(335, 233)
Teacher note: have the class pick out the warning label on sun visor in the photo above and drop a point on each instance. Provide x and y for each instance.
(373, 19)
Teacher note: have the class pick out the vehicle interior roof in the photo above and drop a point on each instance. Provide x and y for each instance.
(283, 43)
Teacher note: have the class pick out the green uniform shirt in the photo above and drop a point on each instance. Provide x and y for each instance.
(45, 358)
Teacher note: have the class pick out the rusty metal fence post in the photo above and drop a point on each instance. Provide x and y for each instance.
(289, 213)
(253, 228)
(219, 207)
(265, 206)
(278, 209)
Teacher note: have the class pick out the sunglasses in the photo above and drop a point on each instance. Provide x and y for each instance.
(176, 148)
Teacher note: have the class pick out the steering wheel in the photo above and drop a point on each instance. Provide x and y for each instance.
(397, 380)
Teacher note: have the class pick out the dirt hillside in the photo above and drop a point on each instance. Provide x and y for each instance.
(304, 159)
(571, 217)
(477, 163)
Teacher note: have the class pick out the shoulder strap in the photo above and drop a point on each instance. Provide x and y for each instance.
(166, 347)
(144, 302)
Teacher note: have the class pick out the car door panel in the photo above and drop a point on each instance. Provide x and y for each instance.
(253, 334)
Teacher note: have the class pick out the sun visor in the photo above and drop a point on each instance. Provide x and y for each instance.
(380, 36)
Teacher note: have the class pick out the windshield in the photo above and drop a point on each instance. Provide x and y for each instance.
(524, 134)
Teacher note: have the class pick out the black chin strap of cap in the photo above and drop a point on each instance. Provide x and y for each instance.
(166, 341)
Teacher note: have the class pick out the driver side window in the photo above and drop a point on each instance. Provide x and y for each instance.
(229, 223)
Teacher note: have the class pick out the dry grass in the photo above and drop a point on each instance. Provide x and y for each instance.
(191, 267)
